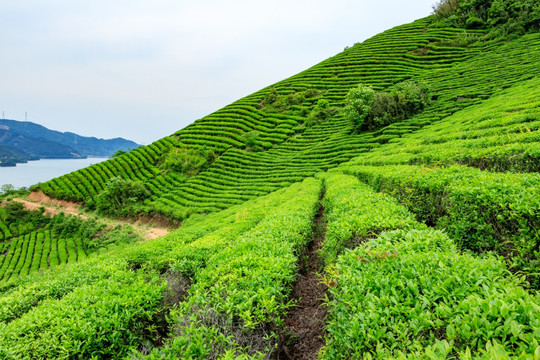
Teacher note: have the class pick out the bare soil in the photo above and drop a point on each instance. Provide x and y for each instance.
(305, 322)
(146, 226)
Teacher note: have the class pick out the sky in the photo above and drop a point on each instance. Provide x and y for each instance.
(145, 69)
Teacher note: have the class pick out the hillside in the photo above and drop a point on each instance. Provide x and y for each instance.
(33, 148)
(300, 232)
(36, 141)
(10, 156)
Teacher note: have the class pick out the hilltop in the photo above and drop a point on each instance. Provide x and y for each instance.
(382, 204)
(23, 140)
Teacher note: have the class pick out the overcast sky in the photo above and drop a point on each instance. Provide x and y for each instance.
(145, 69)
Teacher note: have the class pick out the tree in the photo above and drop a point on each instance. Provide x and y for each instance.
(411, 98)
(370, 110)
(504, 17)
(121, 197)
(7, 189)
(358, 104)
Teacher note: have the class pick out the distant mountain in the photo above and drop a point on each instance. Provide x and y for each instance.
(36, 148)
(10, 156)
(22, 141)
(86, 146)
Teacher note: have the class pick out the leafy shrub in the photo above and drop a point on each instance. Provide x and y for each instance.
(370, 110)
(250, 139)
(19, 220)
(296, 103)
(321, 112)
(410, 295)
(120, 197)
(359, 101)
(481, 210)
(188, 161)
(507, 16)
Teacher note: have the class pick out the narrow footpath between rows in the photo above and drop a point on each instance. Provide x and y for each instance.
(305, 322)
(38, 199)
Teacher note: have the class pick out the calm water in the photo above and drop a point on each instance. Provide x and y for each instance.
(37, 171)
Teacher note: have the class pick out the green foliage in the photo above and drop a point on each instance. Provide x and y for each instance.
(410, 98)
(19, 220)
(358, 105)
(481, 210)
(320, 112)
(7, 189)
(371, 110)
(355, 213)
(121, 197)
(408, 294)
(503, 16)
(188, 161)
(250, 139)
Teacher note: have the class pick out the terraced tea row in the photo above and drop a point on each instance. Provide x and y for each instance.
(229, 274)
(501, 133)
(36, 251)
(195, 269)
(481, 210)
(281, 136)
(84, 185)
(407, 293)
(239, 175)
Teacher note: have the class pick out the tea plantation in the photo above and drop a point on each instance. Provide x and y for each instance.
(426, 231)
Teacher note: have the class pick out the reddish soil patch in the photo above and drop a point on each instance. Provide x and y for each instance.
(50, 210)
(41, 198)
(154, 233)
(38, 199)
(305, 322)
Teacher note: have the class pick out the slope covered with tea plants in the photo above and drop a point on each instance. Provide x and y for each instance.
(295, 128)
(427, 228)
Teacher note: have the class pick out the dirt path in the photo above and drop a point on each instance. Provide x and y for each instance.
(38, 199)
(305, 322)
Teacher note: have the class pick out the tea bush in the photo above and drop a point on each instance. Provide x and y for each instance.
(407, 293)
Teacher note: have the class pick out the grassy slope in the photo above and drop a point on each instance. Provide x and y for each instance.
(224, 279)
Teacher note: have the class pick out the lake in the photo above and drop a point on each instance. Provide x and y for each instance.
(33, 172)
